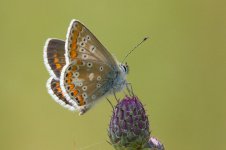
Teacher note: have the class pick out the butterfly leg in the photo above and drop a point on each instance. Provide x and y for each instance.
(130, 89)
(115, 97)
(124, 92)
(110, 103)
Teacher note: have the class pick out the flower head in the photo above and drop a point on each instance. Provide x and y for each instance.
(129, 125)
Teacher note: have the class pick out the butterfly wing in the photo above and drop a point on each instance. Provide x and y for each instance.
(84, 82)
(55, 91)
(90, 69)
(79, 37)
(54, 58)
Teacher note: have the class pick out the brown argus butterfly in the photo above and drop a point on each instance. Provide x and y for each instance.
(82, 70)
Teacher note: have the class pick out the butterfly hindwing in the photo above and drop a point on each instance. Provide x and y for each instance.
(54, 56)
(85, 81)
(55, 91)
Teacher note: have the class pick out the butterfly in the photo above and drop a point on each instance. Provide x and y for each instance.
(82, 70)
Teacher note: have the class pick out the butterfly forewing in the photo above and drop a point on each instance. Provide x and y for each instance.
(54, 56)
(81, 40)
(90, 69)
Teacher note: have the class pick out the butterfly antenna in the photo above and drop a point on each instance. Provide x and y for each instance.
(134, 48)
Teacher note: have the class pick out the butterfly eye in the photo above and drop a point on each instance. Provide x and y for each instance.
(124, 68)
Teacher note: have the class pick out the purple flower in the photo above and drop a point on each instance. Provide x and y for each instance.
(129, 125)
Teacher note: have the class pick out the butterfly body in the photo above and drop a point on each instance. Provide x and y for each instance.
(82, 70)
(119, 81)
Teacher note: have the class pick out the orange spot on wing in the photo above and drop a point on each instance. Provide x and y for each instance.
(74, 40)
(81, 100)
(59, 89)
(74, 68)
(56, 60)
(74, 43)
(71, 86)
(75, 92)
(58, 66)
(73, 52)
(69, 81)
(69, 74)
(79, 62)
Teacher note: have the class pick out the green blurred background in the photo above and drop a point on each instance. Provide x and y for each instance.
(180, 74)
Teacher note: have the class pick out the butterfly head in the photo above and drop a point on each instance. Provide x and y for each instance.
(125, 68)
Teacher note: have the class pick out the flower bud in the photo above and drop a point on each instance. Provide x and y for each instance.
(129, 125)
